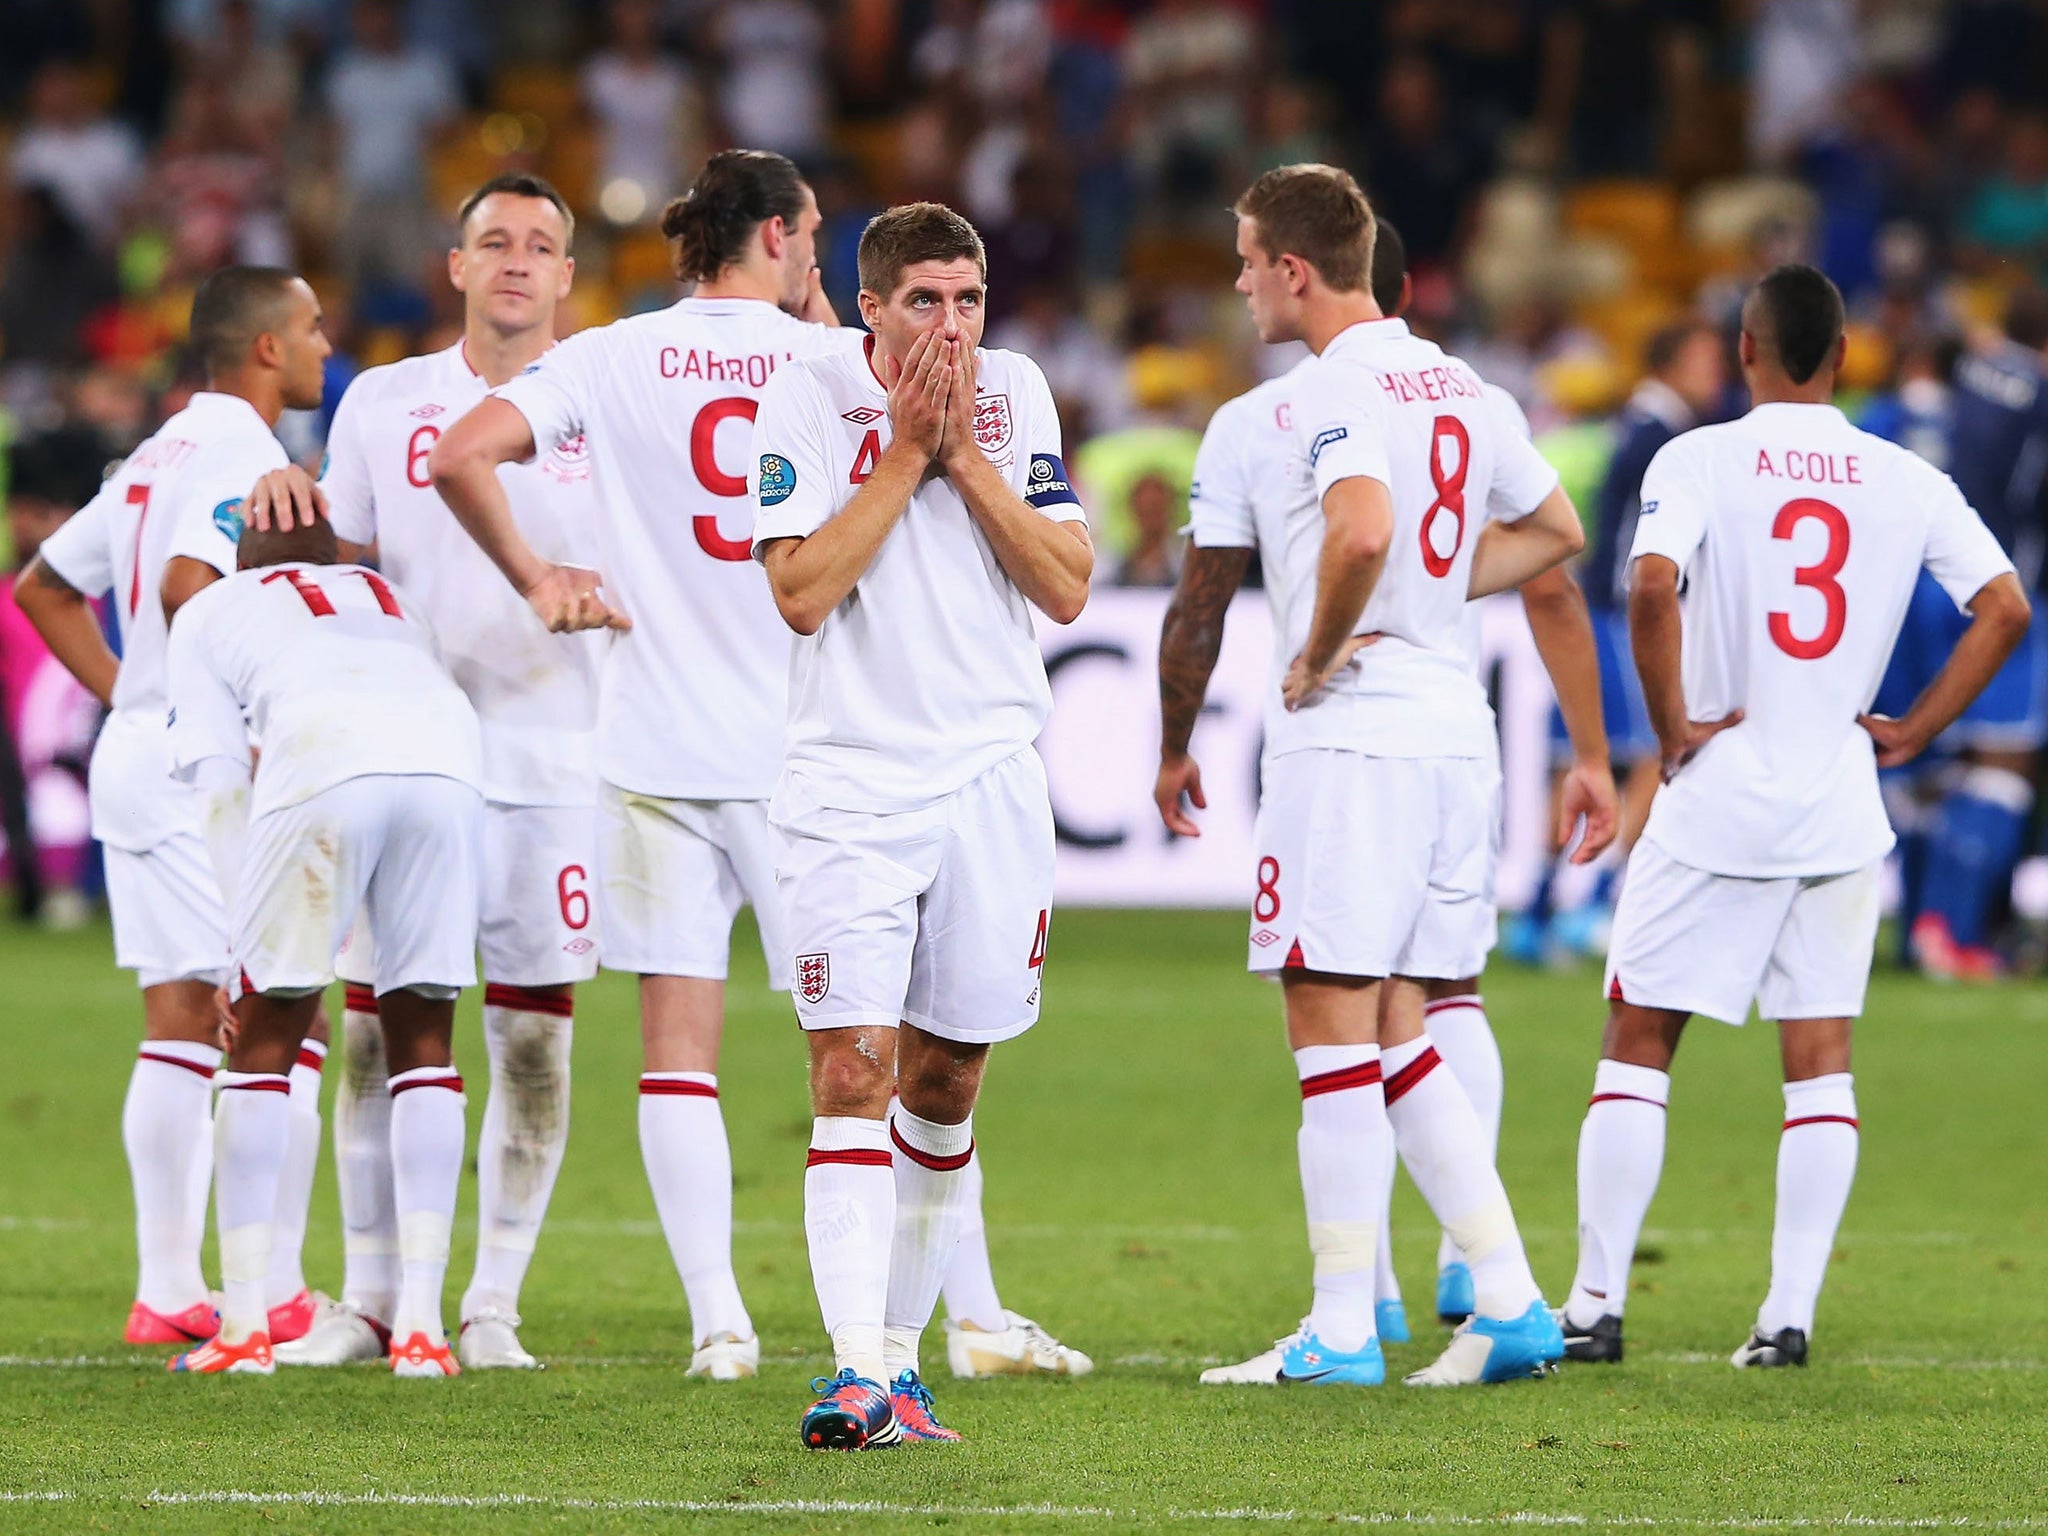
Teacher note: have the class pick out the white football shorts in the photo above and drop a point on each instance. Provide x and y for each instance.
(1375, 866)
(1697, 942)
(169, 924)
(405, 849)
(671, 877)
(937, 915)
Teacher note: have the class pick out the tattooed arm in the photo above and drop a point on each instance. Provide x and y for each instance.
(63, 616)
(1188, 646)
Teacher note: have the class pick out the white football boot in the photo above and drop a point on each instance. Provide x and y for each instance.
(342, 1334)
(1022, 1349)
(723, 1357)
(489, 1341)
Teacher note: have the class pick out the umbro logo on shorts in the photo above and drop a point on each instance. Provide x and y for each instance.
(1264, 937)
(813, 976)
(578, 946)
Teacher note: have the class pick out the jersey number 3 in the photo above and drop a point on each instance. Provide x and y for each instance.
(1820, 576)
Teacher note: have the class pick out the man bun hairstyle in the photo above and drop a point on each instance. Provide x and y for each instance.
(518, 184)
(232, 308)
(1317, 213)
(1797, 311)
(1389, 266)
(901, 237)
(737, 192)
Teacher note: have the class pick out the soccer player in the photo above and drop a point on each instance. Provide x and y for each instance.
(365, 798)
(913, 510)
(1242, 498)
(1409, 491)
(1998, 454)
(1799, 539)
(689, 719)
(257, 332)
(535, 694)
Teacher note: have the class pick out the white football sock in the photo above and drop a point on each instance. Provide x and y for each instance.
(1621, 1157)
(164, 1127)
(1464, 1038)
(850, 1224)
(1816, 1167)
(1444, 1147)
(362, 1162)
(251, 1132)
(689, 1168)
(287, 1275)
(525, 1131)
(1386, 1285)
(970, 1288)
(1344, 1149)
(931, 1162)
(427, 1134)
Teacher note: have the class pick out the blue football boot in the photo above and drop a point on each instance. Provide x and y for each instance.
(1390, 1320)
(1453, 1294)
(1495, 1349)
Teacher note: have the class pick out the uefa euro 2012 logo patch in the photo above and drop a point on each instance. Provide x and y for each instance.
(778, 479)
(227, 517)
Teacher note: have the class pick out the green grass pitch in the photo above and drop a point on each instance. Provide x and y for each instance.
(1143, 1202)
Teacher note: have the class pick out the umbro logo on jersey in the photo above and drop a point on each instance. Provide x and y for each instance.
(427, 412)
(863, 415)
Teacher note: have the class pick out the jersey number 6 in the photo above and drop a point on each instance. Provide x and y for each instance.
(704, 461)
(1820, 576)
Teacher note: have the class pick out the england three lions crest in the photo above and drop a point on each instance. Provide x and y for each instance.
(813, 976)
(992, 423)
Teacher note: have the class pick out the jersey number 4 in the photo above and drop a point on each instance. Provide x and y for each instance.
(316, 601)
(1820, 576)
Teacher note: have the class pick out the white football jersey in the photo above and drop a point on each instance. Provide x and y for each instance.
(180, 493)
(535, 693)
(325, 667)
(929, 674)
(1382, 403)
(1800, 539)
(1244, 493)
(692, 699)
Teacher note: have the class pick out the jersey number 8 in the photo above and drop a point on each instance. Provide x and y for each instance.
(1449, 483)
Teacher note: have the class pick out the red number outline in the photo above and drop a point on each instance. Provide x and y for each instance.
(1450, 492)
(317, 602)
(564, 896)
(1820, 577)
(416, 456)
(138, 497)
(1269, 890)
(704, 464)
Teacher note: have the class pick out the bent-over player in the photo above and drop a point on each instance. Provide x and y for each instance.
(365, 798)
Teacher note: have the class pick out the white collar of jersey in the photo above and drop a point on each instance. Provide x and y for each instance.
(1367, 333)
(215, 400)
(1653, 397)
(867, 353)
(1787, 408)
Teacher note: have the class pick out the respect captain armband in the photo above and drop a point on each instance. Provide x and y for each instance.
(1046, 484)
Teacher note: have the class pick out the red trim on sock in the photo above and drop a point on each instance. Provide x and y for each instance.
(176, 1061)
(1294, 960)
(1364, 1075)
(528, 1000)
(859, 1157)
(1464, 1000)
(930, 1160)
(261, 1085)
(452, 1082)
(688, 1090)
(359, 999)
(1405, 1079)
(1848, 1120)
(314, 1059)
(1626, 1098)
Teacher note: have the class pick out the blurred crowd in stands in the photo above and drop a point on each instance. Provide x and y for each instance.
(1584, 187)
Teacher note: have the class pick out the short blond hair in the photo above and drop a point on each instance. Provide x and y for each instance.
(1317, 213)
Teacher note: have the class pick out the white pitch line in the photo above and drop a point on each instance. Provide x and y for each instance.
(1048, 1511)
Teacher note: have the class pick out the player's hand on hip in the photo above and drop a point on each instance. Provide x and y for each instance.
(1896, 743)
(284, 499)
(1303, 682)
(1697, 734)
(570, 597)
(1587, 794)
(1179, 786)
(917, 395)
